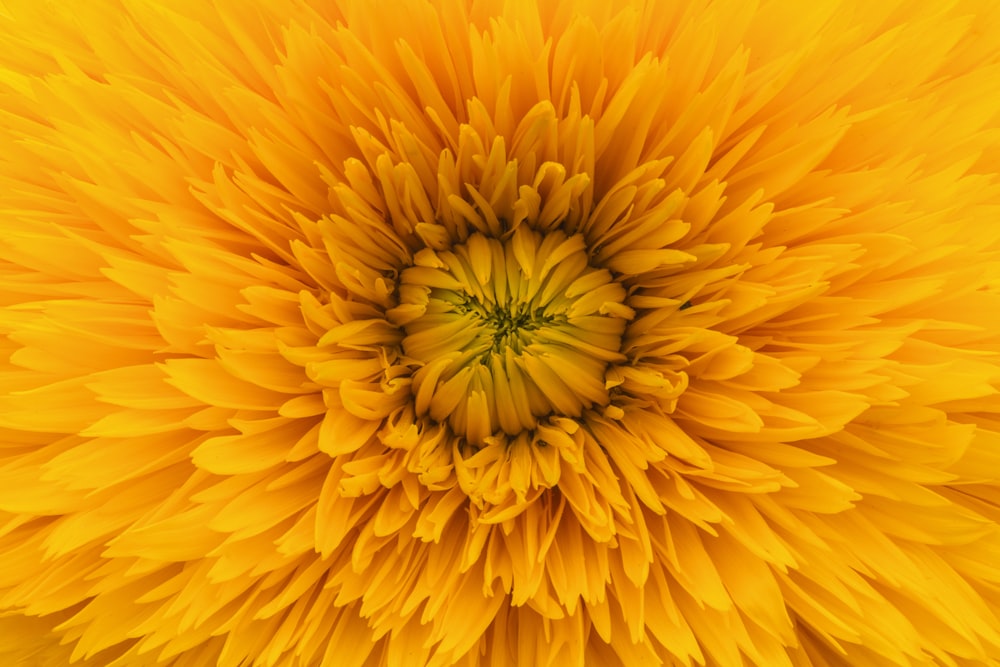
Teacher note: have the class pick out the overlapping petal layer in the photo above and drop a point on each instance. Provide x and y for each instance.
(561, 333)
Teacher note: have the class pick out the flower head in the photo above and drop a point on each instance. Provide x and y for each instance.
(500, 333)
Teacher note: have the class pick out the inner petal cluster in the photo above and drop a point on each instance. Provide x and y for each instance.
(505, 331)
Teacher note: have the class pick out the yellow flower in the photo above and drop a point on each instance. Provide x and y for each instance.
(472, 333)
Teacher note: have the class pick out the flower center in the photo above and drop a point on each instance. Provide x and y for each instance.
(508, 323)
(503, 332)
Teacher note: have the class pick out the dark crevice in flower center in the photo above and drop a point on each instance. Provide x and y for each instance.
(509, 324)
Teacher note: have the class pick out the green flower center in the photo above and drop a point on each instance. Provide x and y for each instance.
(508, 325)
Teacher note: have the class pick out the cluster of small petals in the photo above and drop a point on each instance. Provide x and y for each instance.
(504, 333)
(381, 334)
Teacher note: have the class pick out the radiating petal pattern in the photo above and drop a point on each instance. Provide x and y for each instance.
(449, 332)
